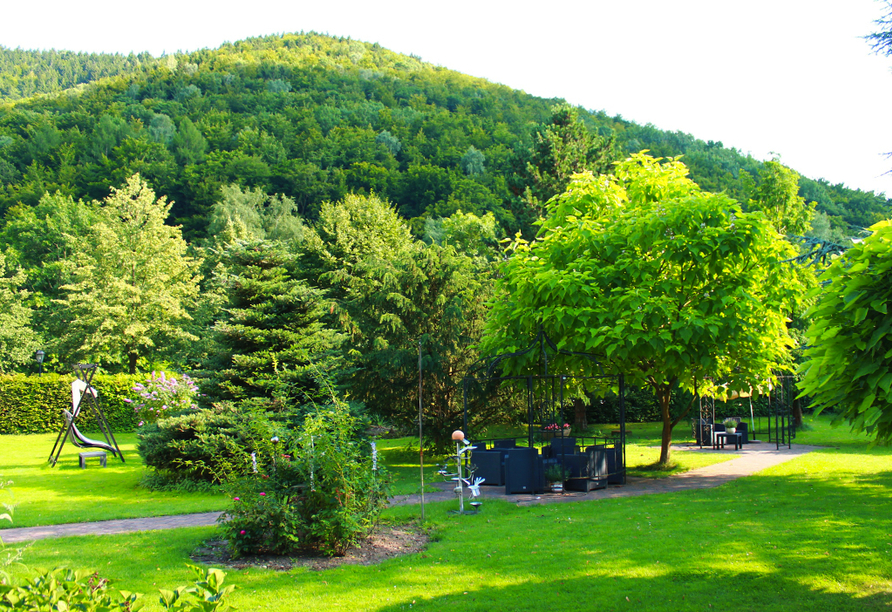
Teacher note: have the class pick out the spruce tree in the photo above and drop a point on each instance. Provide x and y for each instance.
(273, 344)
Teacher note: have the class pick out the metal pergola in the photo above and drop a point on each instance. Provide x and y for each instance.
(543, 391)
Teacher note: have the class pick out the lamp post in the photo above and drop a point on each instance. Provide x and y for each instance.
(39, 355)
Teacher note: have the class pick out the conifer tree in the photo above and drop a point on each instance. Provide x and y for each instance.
(273, 344)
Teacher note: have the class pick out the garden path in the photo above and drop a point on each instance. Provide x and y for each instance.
(754, 458)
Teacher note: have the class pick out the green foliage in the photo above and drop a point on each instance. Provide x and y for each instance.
(27, 73)
(391, 292)
(848, 362)
(260, 113)
(325, 494)
(671, 285)
(560, 149)
(273, 343)
(778, 198)
(40, 241)
(212, 445)
(132, 282)
(67, 589)
(17, 340)
(34, 404)
(207, 595)
(253, 215)
(472, 235)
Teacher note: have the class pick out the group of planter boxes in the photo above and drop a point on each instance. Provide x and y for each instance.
(522, 469)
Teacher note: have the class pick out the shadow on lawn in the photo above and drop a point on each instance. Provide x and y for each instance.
(789, 542)
(747, 592)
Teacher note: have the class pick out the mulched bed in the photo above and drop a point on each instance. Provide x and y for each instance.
(385, 543)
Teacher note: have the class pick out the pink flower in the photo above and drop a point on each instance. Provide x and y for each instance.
(263, 494)
(242, 532)
(235, 499)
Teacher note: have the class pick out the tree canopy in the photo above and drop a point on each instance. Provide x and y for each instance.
(847, 365)
(675, 286)
(132, 282)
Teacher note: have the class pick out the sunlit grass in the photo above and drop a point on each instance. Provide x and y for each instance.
(807, 534)
(68, 494)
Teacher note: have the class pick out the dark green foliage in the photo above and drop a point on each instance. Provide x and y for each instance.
(325, 493)
(34, 404)
(273, 343)
(560, 149)
(211, 445)
(390, 292)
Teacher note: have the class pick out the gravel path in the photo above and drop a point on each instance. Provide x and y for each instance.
(754, 458)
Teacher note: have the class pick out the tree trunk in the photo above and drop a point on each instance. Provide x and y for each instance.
(131, 362)
(664, 393)
(797, 413)
(580, 418)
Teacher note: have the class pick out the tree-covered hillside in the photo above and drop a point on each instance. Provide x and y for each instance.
(314, 118)
(27, 73)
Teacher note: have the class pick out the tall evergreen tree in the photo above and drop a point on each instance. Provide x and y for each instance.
(273, 344)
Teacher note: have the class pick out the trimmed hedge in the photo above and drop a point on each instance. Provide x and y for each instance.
(34, 404)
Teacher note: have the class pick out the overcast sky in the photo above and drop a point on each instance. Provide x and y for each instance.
(791, 78)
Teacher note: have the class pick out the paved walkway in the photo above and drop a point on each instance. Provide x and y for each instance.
(754, 458)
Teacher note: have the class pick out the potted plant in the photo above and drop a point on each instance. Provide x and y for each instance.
(730, 425)
(553, 429)
(555, 475)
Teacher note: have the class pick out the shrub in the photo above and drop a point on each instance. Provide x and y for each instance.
(67, 589)
(212, 445)
(325, 495)
(162, 395)
(34, 404)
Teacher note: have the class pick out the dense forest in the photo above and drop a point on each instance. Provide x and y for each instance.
(24, 74)
(314, 118)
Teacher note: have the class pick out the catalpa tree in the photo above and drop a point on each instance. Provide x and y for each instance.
(675, 287)
(848, 363)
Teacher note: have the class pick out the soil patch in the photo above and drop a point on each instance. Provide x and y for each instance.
(386, 542)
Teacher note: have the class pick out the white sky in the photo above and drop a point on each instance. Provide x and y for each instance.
(791, 77)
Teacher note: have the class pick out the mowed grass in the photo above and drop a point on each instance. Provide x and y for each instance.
(812, 533)
(68, 494)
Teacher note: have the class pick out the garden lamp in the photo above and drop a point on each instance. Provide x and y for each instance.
(39, 355)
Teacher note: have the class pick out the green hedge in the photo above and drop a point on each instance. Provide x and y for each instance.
(34, 404)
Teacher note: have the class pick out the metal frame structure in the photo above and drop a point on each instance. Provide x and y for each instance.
(781, 428)
(85, 373)
(543, 390)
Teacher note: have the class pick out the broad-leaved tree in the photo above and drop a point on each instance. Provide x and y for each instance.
(673, 286)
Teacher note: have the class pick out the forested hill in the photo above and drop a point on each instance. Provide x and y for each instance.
(314, 117)
(27, 73)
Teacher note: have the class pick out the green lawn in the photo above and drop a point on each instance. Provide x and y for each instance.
(813, 533)
(68, 494)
